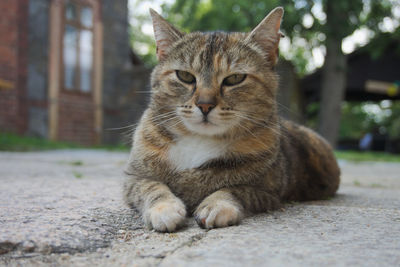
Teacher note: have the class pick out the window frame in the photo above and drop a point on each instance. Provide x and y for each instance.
(79, 26)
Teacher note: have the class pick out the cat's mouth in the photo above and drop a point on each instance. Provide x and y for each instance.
(209, 124)
(204, 126)
(205, 121)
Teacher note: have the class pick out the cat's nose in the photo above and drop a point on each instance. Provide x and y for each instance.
(205, 107)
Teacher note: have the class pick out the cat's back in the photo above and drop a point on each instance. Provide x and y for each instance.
(311, 161)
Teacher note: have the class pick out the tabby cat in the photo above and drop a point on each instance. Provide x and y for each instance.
(211, 143)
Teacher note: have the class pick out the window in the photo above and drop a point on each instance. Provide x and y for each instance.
(78, 46)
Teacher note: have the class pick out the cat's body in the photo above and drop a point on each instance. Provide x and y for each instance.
(211, 142)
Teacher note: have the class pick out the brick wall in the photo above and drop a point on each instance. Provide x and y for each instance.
(24, 108)
(13, 47)
(76, 118)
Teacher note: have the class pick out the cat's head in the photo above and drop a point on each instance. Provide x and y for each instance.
(215, 83)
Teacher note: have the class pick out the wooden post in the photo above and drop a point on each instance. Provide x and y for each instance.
(55, 39)
(98, 80)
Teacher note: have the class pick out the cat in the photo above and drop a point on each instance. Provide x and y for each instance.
(211, 143)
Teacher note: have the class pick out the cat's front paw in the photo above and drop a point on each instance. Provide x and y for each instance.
(166, 216)
(221, 213)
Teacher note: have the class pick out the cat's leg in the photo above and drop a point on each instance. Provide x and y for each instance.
(160, 208)
(228, 206)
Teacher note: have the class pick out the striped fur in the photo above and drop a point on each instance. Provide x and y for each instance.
(243, 158)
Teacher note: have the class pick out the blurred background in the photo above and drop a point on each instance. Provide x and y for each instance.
(75, 73)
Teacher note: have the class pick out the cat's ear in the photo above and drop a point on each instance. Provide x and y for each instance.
(267, 34)
(165, 34)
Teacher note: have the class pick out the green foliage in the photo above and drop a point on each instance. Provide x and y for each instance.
(392, 121)
(382, 42)
(355, 121)
(360, 118)
(143, 44)
(312, 115)
(227, 15)
(357, 156)
(14, 142)
(343, 17)
(375, 10)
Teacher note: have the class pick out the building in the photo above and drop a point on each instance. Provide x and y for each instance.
(372, 73)
(66, 71)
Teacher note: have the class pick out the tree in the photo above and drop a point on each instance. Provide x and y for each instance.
(343, 18)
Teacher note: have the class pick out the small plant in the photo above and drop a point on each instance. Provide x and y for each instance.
(77, 175)
(76, 163)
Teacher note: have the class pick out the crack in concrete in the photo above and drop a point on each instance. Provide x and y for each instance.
(7, 246)
(192, 240)
(19, 250)
(101, 227)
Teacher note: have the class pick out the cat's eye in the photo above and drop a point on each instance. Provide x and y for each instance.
(185, 76)
(234, 79)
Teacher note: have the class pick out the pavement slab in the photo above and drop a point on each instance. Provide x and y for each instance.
(64, 208)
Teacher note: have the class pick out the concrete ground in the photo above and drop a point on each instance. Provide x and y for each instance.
(64, 208)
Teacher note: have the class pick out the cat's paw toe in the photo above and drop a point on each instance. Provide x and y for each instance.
(166, 216)
(219, 214)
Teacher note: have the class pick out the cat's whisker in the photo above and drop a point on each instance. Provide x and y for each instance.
(127, 137)
(163, 122)
(264, 124)
(127, 133)
(161, 119)
(160, 108)
(257, 118)
(179, 121)
(290, 111)
(159, 123)
(163, 116)
(131, 130)
(120, 128)
(283, 106)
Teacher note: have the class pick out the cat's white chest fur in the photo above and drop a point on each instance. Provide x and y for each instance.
(192, 151)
